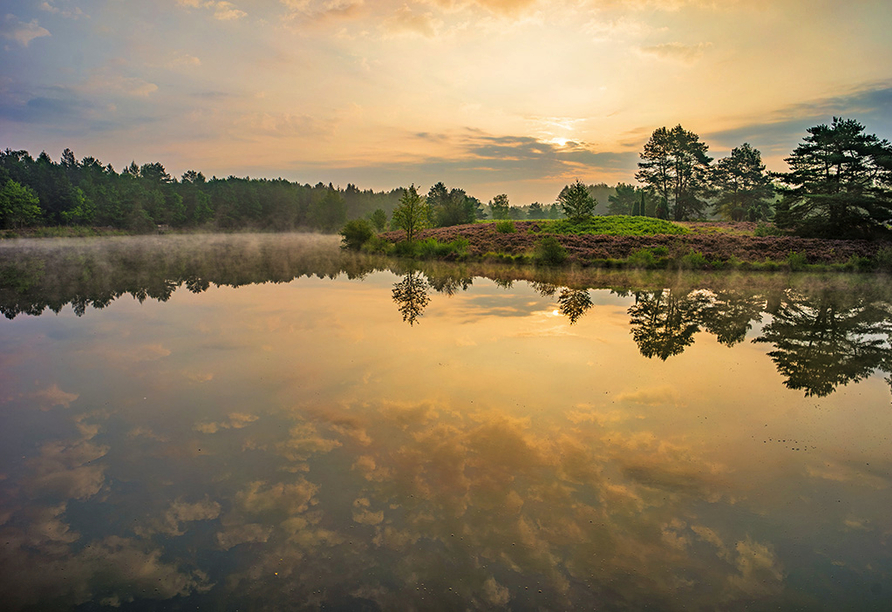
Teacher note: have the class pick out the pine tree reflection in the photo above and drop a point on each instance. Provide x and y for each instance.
(411, 296)
(828, 340)
(729, 315)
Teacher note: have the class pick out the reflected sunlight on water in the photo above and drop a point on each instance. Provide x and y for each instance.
(426, 440)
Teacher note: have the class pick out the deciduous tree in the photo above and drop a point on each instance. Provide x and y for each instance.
(412, 214)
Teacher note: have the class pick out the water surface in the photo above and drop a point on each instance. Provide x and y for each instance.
(263, 422)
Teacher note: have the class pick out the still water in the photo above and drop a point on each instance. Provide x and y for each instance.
(264, 422)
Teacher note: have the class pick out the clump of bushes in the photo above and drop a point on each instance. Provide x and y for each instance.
(505, 226)
(431, 248)
(356, 233)
(796, 261)
(550, 252)
(693, 260)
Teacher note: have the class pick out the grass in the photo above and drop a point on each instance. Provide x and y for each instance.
(613, 225)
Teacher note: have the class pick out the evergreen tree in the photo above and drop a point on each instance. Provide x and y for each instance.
(578, 205)
(839, 184)
(744, 188)
(675, 165)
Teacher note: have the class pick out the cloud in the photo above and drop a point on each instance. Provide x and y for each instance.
(287, 499)
(405, 21)
(67, 470)
(283, 125)
(243, 534)
(70, 13)
(180, 512)
(781, 130)
(53, 396)
(184, 60)
(236, 421)
(226, 11)
(655, 396)
(675, 51)
(21, 32)
(223, 11)
(321, 10)
(503, 7)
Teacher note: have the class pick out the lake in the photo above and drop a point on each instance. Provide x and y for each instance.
(265, 422)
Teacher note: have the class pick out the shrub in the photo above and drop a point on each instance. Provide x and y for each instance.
(883, 259)
(860, 264)
(506, 226)
(796, 261)
(693, 260)
(643, 258)
(356, 233)
(763, 229)
(376, 244)
(550, 252)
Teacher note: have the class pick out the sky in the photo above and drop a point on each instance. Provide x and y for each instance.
(492, 96)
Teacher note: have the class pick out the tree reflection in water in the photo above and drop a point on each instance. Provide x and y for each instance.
(821, 341)
(573, 303)
(822, 338)
(664, 323)
(828, 340)
(411, 296)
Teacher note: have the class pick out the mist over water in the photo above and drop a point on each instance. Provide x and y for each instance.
(262, 421)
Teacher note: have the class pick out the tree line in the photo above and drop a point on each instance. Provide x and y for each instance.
(141, 198)
(839, 185)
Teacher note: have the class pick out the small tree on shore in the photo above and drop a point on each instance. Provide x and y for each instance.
(578, 205)
(412, 214)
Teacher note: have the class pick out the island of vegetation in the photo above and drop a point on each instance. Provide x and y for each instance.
(832, 209)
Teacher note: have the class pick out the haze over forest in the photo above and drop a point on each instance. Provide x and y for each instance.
(495, 96)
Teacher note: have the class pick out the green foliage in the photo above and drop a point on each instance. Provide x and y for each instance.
(505, 226)
(860, 264)
(356, 233)
(412, 215)
(693, 260)
(763, 229)
(744, 188)
(549, 252)
(615, 225)
(449, 208)
(329, 212)
(379, 219)
(378, 245)
(796, 261)
(675, 166)
(578, 205)
(839, 184)
(142, 197)
(642, 258)
(883, 259)
(19, 205)
(500, 207)
(431, 248)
